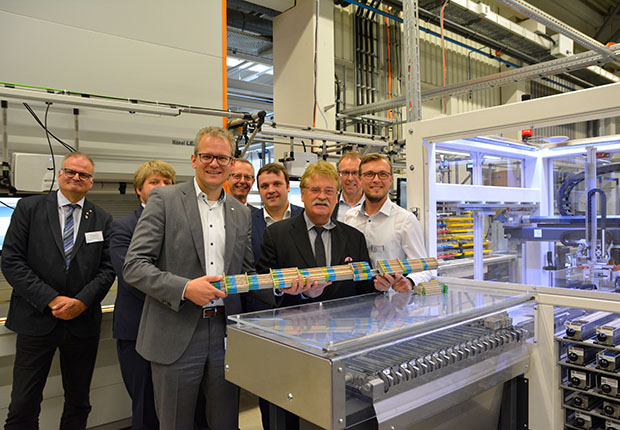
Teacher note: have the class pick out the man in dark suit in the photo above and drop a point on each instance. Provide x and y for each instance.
(310, 239)
(136, 370)
(56, 257)
(241, 180)
(187, 237)
(273, 187)
(313, 239)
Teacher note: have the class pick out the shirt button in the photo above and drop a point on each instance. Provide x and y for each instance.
(210, 225)
(212, 263)
(211, 243)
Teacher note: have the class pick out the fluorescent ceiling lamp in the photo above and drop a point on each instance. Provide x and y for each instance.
(563, 151)
(232, 61)
(259, 68)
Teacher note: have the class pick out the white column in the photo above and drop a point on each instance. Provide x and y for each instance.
(293, 64)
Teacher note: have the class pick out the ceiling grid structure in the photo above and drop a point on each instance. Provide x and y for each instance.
(489, 41)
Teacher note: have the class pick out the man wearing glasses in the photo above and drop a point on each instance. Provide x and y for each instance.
(241, 180)
(311, 239)
(187, 237)
(391, 231)
(56, 257)
(352, 194)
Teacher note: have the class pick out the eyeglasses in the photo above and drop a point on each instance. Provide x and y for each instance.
(238, 176)
(352, 173)
(71, 173)
(383, 175)
(222, 160)
(328, 191)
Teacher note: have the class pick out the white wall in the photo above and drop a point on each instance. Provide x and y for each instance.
(156, 50)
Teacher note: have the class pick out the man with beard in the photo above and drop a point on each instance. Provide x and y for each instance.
(351, 195)
(391, 231)
(241, 180)
(56, 257)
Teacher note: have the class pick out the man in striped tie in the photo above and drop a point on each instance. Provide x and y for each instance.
(56, 257)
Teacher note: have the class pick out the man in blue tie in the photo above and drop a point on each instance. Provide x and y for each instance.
(56, 257)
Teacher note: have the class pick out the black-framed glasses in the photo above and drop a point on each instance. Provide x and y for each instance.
(71, 173)
(352, 173)
(222, 160)
(239, 176)
(383, 175)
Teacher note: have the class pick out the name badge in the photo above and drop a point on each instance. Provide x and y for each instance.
(93, 236)
(377, 248)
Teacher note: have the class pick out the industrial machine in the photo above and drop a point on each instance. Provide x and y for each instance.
(386, 360)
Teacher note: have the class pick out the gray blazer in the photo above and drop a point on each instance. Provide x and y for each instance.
(166, 251)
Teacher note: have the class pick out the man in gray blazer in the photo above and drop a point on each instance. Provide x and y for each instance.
(187, 236)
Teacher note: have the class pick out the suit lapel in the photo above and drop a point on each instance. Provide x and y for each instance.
(338, 245)
(190, 204)
(230, 229)
(54, 221)
(299, 234)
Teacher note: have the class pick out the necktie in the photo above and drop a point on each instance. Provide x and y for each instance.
(319, 247)
(67, 234)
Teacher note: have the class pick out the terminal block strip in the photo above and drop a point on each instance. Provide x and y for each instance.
(413, 362)
(359, 271)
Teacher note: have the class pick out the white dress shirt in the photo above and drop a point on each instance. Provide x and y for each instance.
(269, 220)
(327, 238)
(391, 233)
(344, 207)
(62, 213)
(214, 234)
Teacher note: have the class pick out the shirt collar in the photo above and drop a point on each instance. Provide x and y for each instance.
(309, 224)
(287, 213)
(202, 195)
(63, 201)
(386, 208)
(361, 200)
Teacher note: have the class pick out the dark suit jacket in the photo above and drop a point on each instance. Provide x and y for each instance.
(129, 300)
(259, 225)
(253, 208)
(286, 244)
(336, 209)
(33, 262)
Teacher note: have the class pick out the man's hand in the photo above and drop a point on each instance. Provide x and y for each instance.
(201, 292)
(309, 288)
(66, 308)
(398, 282)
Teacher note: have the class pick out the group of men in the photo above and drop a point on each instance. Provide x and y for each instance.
(61, 254)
